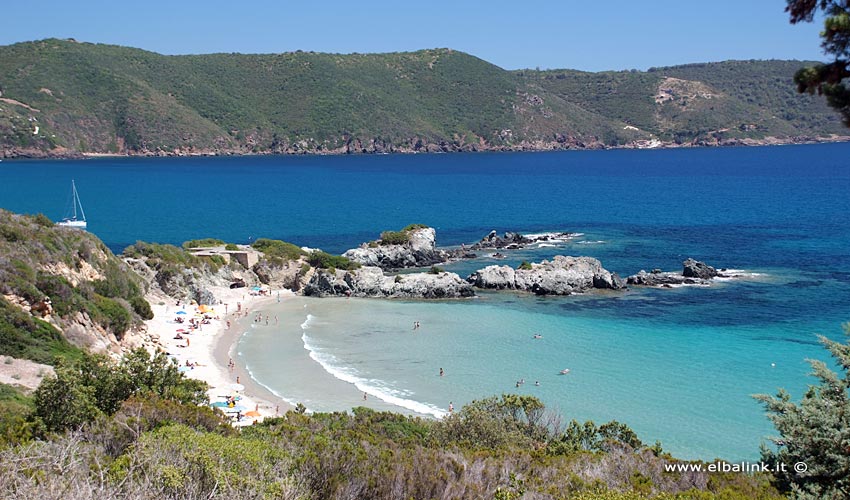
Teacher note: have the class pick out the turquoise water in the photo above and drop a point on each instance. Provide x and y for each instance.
(677, 365)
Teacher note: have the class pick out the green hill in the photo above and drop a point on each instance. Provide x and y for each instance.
(64, 97)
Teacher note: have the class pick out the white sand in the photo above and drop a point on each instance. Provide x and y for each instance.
(210, 347)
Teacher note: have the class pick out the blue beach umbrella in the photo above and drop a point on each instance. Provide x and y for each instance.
(184, 369)
(180, 312)
(219, 404)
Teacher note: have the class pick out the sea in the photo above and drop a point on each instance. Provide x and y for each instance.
(677, 365)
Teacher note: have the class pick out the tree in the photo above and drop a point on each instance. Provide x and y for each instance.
(94, 385)
(827, 79)
(815, 432)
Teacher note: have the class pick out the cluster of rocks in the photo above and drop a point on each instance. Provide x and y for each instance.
(419, 251)
(563, 275)
(513, 241)
(371, 282)
(693, 272)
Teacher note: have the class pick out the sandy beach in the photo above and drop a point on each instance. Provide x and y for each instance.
(206, 352)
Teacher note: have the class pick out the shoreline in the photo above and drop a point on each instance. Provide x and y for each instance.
(531, 147)
(204, 353)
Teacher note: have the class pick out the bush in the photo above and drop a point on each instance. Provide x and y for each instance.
(394, 238)
(230, 247)
(113, 315)
(436, 270)
(94, 385)
(524, 266)
(324, 260)
(142, 307)
(202, 243)
(42, 220)
(278, 248)
(26, 337)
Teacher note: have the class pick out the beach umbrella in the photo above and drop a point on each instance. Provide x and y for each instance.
(219, 404)
(240, 408)
(237, 387)
(180, 312)
(252, 413)
(184, 369)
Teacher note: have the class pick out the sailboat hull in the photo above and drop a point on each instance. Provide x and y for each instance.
(79, 224)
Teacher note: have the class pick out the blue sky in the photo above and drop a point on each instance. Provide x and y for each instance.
(585, 35)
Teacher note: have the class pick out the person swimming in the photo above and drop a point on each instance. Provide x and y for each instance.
(538, 336)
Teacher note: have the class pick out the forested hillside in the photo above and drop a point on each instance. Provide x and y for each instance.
(61, 97)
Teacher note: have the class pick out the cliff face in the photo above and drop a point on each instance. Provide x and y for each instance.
(63, 98)
(64, 280)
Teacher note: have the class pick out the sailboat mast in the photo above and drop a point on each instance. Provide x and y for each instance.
(74, 196)
(77, 202)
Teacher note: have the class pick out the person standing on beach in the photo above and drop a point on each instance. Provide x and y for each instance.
(451, 407)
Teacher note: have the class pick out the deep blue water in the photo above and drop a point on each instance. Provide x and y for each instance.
(781, 212)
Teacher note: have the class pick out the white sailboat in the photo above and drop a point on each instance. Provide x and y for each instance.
(73, 221)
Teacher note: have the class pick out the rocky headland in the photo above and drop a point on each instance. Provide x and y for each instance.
(413, 246)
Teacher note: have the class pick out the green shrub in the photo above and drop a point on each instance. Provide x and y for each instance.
(26, 337)
(202, 243)
(525, 266)
(436, 270)
(414, 227)
(141, 307)
(230, 247)
(394, 238)
(113, 316)
(42, 220)
(278, 248)
(324, 260)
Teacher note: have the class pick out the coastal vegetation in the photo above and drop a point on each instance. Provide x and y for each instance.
(94, 98)
(125, 438)
(137, 428)
(324, 260)
(202, 243)
(827, 79)
(278, 248)
(68, 277)
(815, 431)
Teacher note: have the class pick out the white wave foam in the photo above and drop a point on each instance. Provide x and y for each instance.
(589, 242)
(277, 394)
(372, 387)
(546, 245)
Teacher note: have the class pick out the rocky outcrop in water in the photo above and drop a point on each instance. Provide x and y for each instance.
(371, 282)
(563, 275)
(511, 240)
(420, 250)
(693, 272)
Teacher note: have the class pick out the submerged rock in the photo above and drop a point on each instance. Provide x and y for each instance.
(562, 275)
(372, 282)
